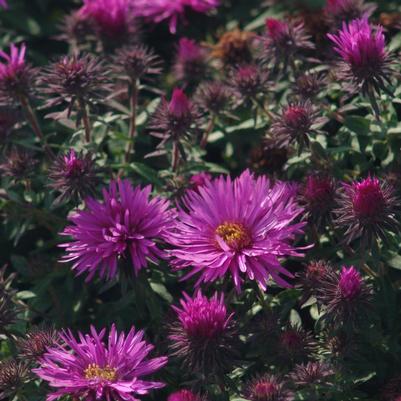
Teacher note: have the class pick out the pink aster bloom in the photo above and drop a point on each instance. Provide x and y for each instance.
(127, 223)
(113, 19)
(368, 209)
(90, 368)
(184, 395)
(3, 3)
(350, 282)
(241, 227)
(13, 63)
(200, 179)
(366, 63)
(339, 11)
(203, 336)
(161, 10)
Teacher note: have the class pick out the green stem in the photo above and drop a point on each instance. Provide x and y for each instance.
(132, 128)
(85, 119)
(33, 122)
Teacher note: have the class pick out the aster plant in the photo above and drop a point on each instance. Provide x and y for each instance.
(184, 395)
(365, 64)
(74, 176)
(283, 43)
(344, 296)
(95, 366)
(240, 227)
(297, 122)
(340, 11)
(127, 226)
(113, 21)
(267, 388)
(176, 123)
(135, 64)
(191, 64)
(367, 209)
(157, 11)
(77, 81)
(203, 336)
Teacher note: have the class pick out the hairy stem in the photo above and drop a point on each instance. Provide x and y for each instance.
(207, 132)
(132, 127)
(85, 119)
(33, 122)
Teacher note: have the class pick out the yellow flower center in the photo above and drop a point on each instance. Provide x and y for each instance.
(235, 235)
(94, 371)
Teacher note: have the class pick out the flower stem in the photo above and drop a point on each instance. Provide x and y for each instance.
(132, 127)
(176, 156)
(207, 132)
(85, 119)
(33, 122)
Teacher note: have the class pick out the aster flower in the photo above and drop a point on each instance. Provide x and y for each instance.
(312, 374)
(191, 64)
(75, 28)
(184, 395)
(162, 10)
(199, 180)
(340, 11)
(203, 336)
(267, 388)
(13, 375)
(309, 85)
(95, 367)
(126, 224)
(296, 122)
(213, 97)
(295, 344)
(18, 164)
(344, 296)
(36, 342)
(113, 21)
(241, 227)
(367, 209)
(74, 175)
(311, 277)
(235, 48)
(317, 196)
(284, 42)
(74, 79)
(3, 3)
(365, 64)
(137, 62)
(249, 82)
(16, 75)
(176, 122)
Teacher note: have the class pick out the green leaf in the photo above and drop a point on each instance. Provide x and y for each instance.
(357, 124)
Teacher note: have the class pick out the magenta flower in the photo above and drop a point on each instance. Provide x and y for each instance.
(161, 10)
(203, 336)
(184, 395)
(366, 64)
(200, 180)
(284, 42)
(112, 19)
(241, 227)
(344, 296)
(91, 368)
(127, 223)
(367, 209)
(266, 388)
(15, 74)
(339, 11)
(191, 62)
(350, 283)
(3, 3)
(317, 196)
